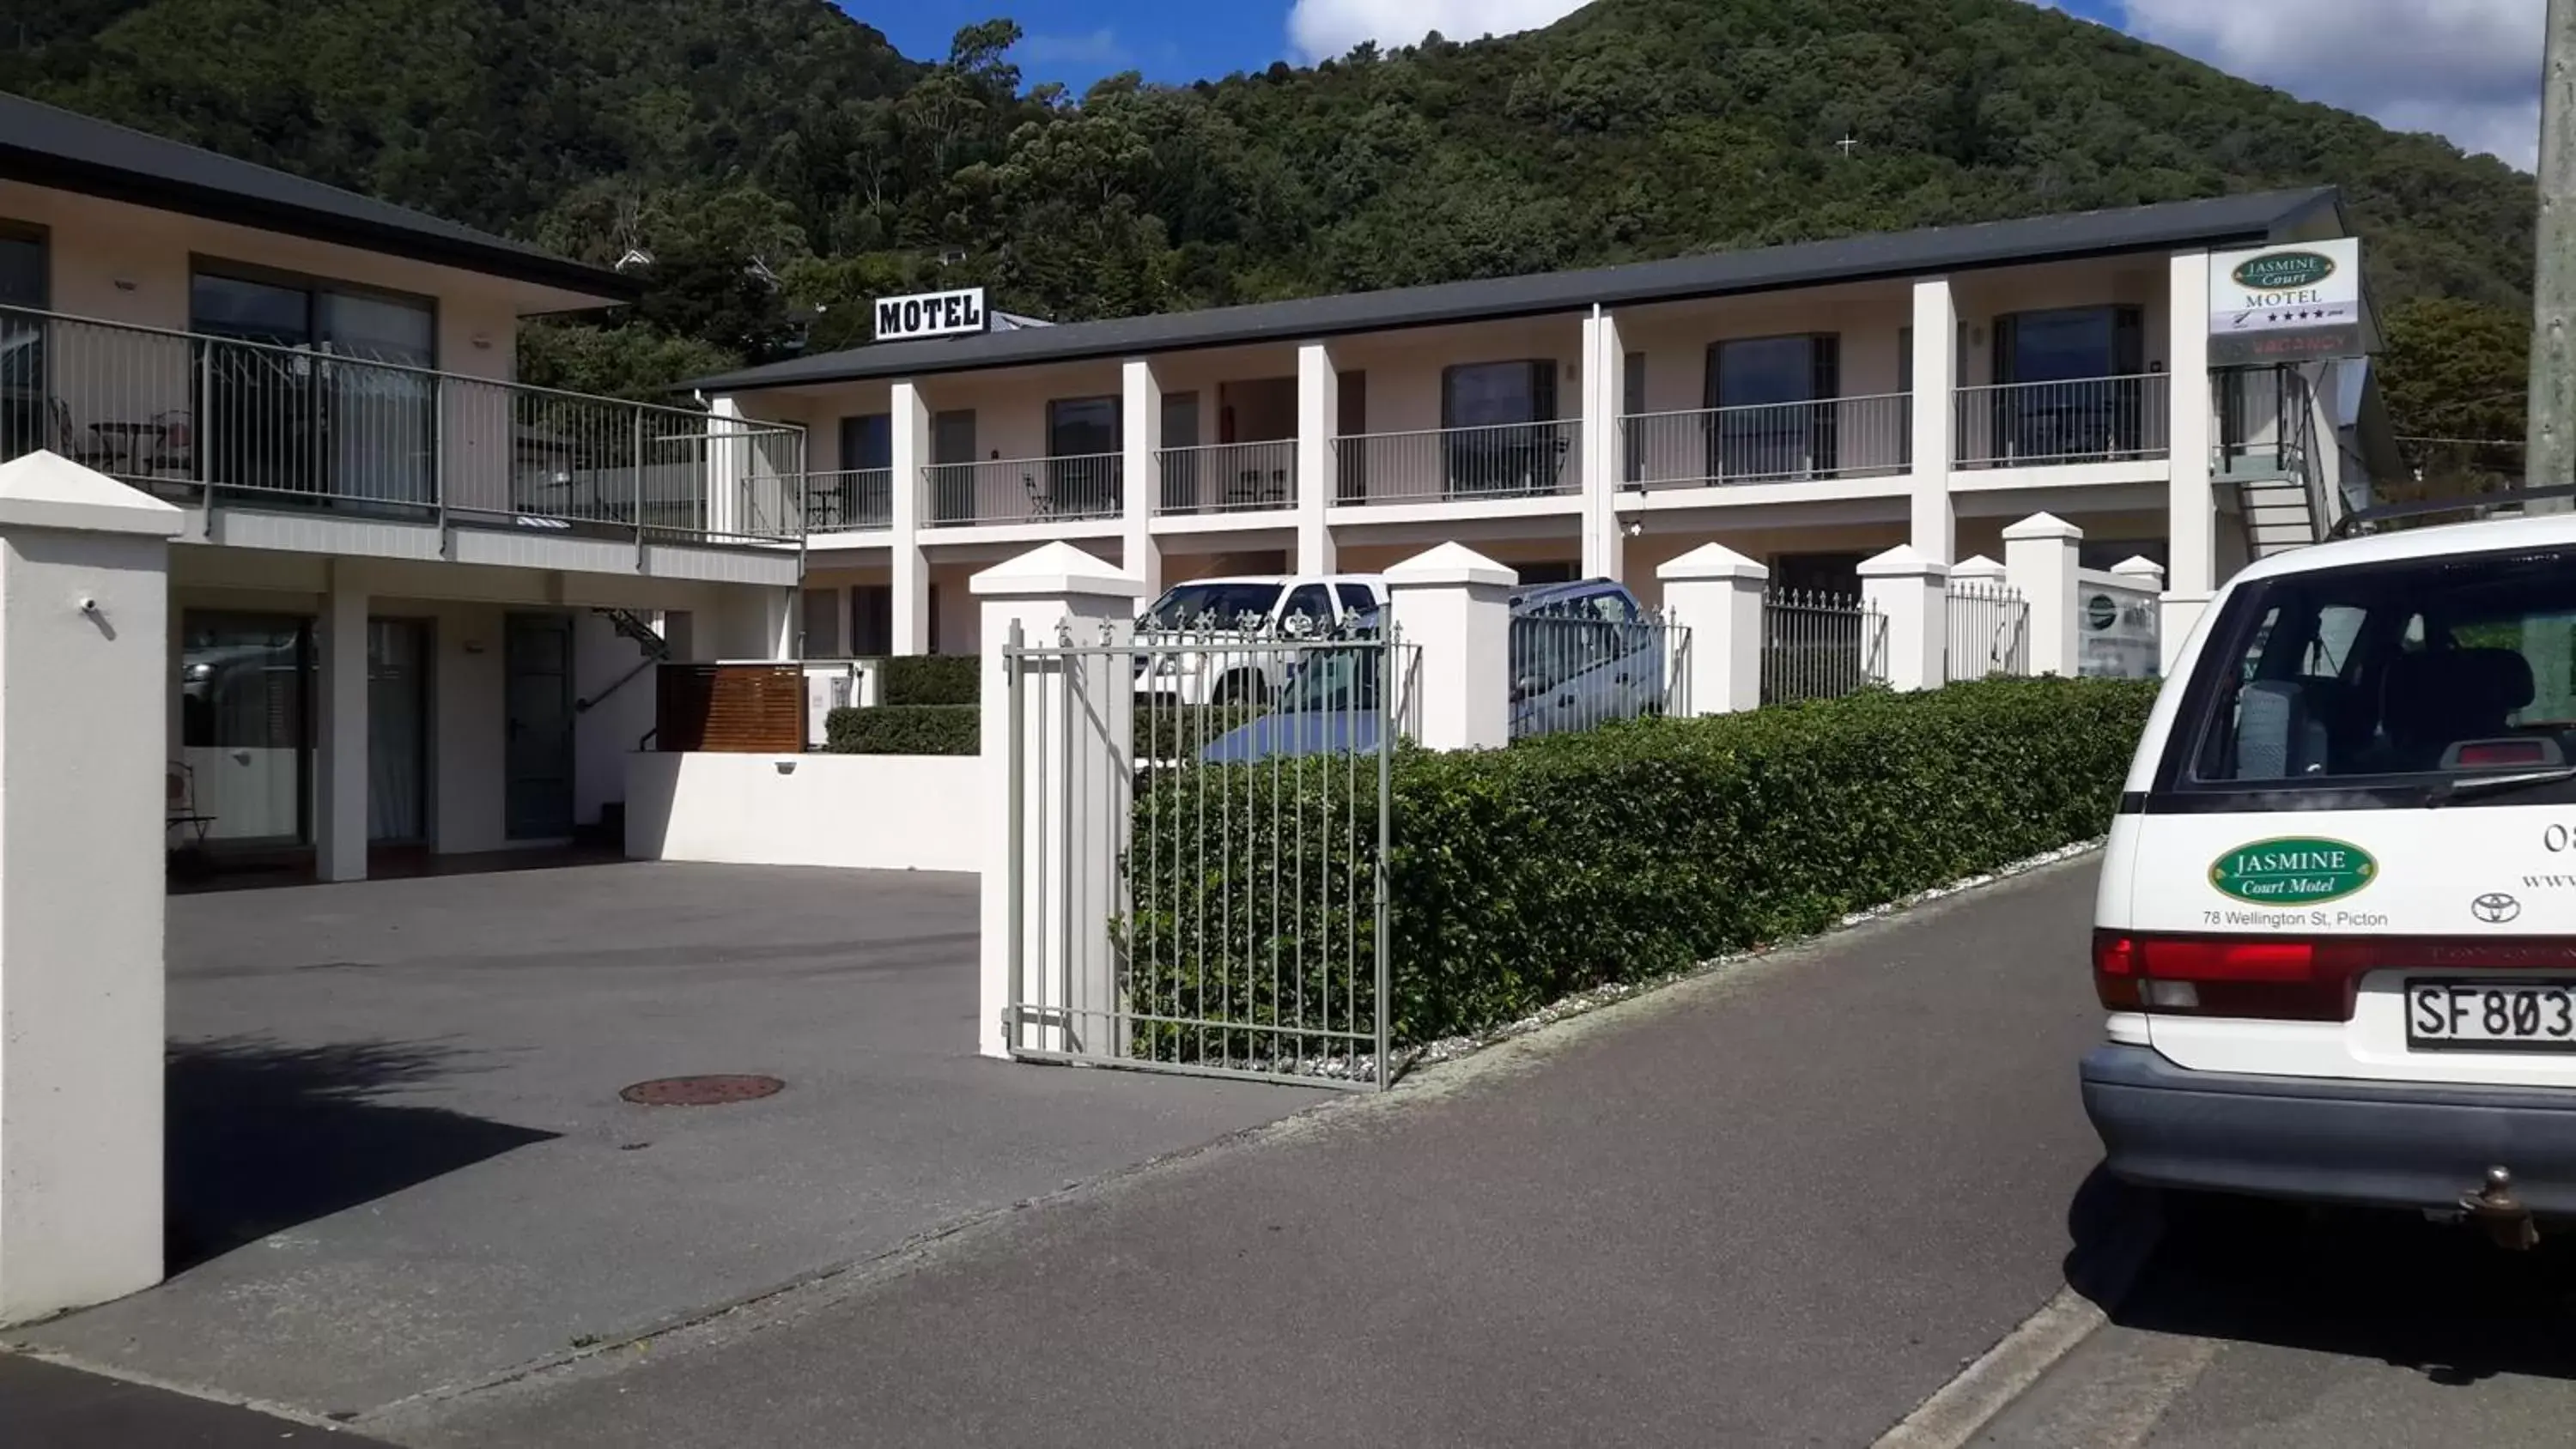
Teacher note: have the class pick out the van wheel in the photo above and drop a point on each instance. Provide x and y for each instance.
(1243, 686)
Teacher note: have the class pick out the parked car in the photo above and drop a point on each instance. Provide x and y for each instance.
(2334, 922)
(1200, 642)
(1582, 654)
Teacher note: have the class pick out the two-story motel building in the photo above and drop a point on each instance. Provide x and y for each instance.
(412, 599)
(1808, 406)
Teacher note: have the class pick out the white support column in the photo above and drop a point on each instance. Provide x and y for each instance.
(1912, 593)
(340, 766)
(85, 639)
(1075, 763)
(728, 458)
(1141, 438)
(1605, 396)
(2191, 509)
(1935, 532)
(1453, 605)
(910, 426)
(1716, 593)
(1319, 411)
(2040, 561)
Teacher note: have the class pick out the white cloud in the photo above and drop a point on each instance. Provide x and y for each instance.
(1321, 29)
(2467, 69)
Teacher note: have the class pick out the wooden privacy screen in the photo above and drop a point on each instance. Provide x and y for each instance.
(742, 709)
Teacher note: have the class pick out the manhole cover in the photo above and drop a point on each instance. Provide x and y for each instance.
(700, 1091)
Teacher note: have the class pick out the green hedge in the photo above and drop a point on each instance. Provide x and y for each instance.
(1521, 876)
(934, 679)
(1168, 731)
(904, 729)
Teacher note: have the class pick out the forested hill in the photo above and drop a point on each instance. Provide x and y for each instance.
(741, 141)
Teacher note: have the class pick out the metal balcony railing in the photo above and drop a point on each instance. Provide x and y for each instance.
(849, 499)
(1227, 477)
(1507, 460)
(1844, 437)
(1022, 490)
(230, 422)
(2090, 420)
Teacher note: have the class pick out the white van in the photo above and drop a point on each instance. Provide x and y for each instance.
(2336, 929)
(1230, 615)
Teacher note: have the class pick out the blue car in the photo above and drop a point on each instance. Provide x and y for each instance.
(1582, 654)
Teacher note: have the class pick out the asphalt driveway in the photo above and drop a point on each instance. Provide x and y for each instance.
(400, 1166)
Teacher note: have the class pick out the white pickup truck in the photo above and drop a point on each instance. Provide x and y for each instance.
(1200, 643)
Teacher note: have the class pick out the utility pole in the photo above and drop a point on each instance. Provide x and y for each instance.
(2549, 459)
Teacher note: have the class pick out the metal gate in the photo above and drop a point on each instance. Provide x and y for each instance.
(1198, 832)
(1989, 631)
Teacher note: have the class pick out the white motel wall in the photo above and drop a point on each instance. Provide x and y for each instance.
(865, 812)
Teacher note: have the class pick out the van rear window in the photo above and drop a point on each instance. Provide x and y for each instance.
(2396, 676)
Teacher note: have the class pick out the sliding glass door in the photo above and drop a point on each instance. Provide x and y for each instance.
(1768, 394)
(307, 410)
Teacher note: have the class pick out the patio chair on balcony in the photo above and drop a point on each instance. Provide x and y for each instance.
(174, 450)
(86, 449)
(1041, 500)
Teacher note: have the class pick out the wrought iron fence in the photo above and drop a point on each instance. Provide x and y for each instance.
(1023, 490)
(1820, 646)
(1201, 888)
(2092, 420)
(1573, 673)
(1227, 477)
(1988, 632)
(190, 415)
(1507, 460)
(1848, 437)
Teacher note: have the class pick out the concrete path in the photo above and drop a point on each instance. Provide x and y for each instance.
(400, 1165)
(1777, 1206)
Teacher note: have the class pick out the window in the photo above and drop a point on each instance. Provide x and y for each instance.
(2374, 677)
(2070, 344)
(2081, 395)
(1309, 611)
(1503, 437)
(23, 388)
(1082, 458)
(822, 624)
(345, 429)
(1356, 598)
(1632, 402)
(1837, 574)
(871, 620)
(952, 471)
(867, 441)
(1765, 390)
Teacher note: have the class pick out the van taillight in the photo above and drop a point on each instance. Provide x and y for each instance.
(2270, 977)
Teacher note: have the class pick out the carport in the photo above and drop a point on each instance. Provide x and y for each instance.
(399, 1163)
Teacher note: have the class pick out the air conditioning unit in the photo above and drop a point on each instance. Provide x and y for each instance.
(832, 684)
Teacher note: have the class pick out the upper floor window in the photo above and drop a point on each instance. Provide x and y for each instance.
(371, 326)
(1082, 427)
(867, 441)
(22, 266)
(2070, 344)
(1489, 394)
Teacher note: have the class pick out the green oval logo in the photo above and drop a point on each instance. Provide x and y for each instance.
(2282, 271)
(2293, 871)
(2101, 612)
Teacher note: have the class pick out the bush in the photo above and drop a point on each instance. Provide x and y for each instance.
(934, 679)
(904, 729)
(1168, 731)
(1520, 876)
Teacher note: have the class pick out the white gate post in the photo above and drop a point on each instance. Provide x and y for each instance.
(85, 678)
(1912, 593)
(1453, 605)
(2040, 556)
(1070, 751)
(1716, 593)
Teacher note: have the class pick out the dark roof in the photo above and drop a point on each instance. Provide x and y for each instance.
(2217, 221)
(48, 146)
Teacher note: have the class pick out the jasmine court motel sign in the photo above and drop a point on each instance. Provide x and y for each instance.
(2286, 303)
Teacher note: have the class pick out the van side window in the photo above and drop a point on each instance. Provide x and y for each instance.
(1356, 598)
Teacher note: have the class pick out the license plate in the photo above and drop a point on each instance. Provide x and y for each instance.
(2519, 1016)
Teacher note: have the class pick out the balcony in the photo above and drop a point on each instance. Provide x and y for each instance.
(850, 499)
(217, 422)
(1450, 465)
(1227, 477)
(2034, 424)
(1850, 437)
(1022, 490)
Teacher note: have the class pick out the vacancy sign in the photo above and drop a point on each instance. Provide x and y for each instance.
(2286, 303)
(930, 314)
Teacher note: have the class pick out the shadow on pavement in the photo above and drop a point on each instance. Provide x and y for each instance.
(264, 1135)
(2385, 1286)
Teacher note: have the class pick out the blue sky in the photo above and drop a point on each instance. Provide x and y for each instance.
(2468, 69)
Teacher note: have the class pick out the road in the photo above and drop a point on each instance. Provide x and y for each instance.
(1780, 1205)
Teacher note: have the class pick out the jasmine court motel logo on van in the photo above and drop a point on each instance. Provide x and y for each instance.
(2292, 872)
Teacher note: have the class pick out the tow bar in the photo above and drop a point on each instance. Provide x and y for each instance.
(2494, 1207)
